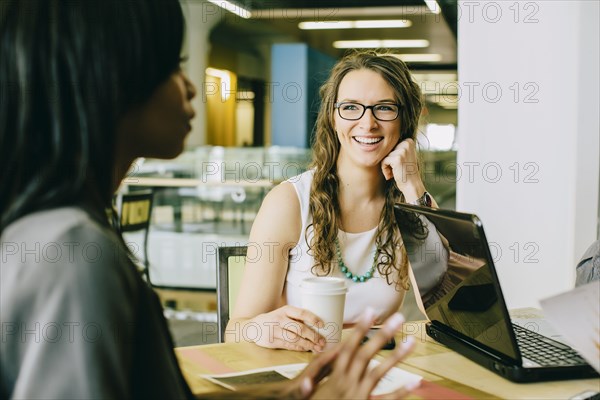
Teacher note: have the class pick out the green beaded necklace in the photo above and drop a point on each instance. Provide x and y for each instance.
(355, 278)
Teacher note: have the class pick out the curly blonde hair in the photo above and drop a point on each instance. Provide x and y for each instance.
(324, 203)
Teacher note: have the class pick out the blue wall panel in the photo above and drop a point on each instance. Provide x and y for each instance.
(287, 92)
(297, 72)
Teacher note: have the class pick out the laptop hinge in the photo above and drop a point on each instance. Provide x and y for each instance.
(475, 345)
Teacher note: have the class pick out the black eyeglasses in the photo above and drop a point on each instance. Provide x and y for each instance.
(355, 111)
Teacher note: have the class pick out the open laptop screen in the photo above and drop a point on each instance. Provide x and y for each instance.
(451, 248)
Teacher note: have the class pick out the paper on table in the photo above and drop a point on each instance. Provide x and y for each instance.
(395, 379)
(237, 380)
(576, 315)
(392, 381)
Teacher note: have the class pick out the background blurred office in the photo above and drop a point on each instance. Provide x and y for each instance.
(510, 129)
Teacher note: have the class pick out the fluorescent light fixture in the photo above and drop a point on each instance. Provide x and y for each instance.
(217, 73)
(338, 12)
(435, 77)
(360, 24)
(428, 57)
(447, 101)
(449, 106)
(433, 6)
(232, 8)
(313, 25)
(225, 77)
(373, 44)
(384, 23)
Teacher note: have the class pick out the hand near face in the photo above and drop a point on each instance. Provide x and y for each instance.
(402, 165)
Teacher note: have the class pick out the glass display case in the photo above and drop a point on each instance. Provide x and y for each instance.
(205, 198)
(208, 197)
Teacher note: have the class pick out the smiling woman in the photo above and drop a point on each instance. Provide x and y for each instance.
(366, 139)
(337, 218)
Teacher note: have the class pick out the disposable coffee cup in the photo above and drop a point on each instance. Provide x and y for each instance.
(325, 297)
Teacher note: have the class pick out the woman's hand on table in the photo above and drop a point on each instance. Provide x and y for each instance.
(347, 364)
(288, 328)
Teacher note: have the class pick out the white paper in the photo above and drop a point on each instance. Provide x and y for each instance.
(395, 379)
(576, 316)
(237, 380)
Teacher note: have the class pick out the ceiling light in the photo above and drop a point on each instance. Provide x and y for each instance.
(433, 6)
(361, 24)
(372, 44)
(309, 25)
(447, 101)
(217, 73)
(384, 23)
(429, 57)
(449, 106)
(435, 77)
(232, 7)
(225, 77)
(337, 12)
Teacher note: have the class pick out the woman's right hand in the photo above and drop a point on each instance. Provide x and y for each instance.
(347, 365)
(288, 328)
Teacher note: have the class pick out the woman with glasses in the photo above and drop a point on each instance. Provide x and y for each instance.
(337, 219)
(85, 88)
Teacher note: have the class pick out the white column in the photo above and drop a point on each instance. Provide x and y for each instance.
(200, 17)
(529, 139)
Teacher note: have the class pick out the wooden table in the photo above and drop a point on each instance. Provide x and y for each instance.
(446, 374)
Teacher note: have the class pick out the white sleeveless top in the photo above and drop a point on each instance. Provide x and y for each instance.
(358, 250)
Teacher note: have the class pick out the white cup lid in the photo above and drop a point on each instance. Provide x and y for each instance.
(324, 285)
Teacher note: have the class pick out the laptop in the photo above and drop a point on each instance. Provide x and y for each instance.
(461, 295)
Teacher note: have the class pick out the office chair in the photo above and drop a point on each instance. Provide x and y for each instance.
(134, 211)
(230, 266)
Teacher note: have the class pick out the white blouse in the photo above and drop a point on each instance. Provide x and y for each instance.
(357, 249)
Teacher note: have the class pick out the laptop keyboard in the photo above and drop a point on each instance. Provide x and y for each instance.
(545, 351)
